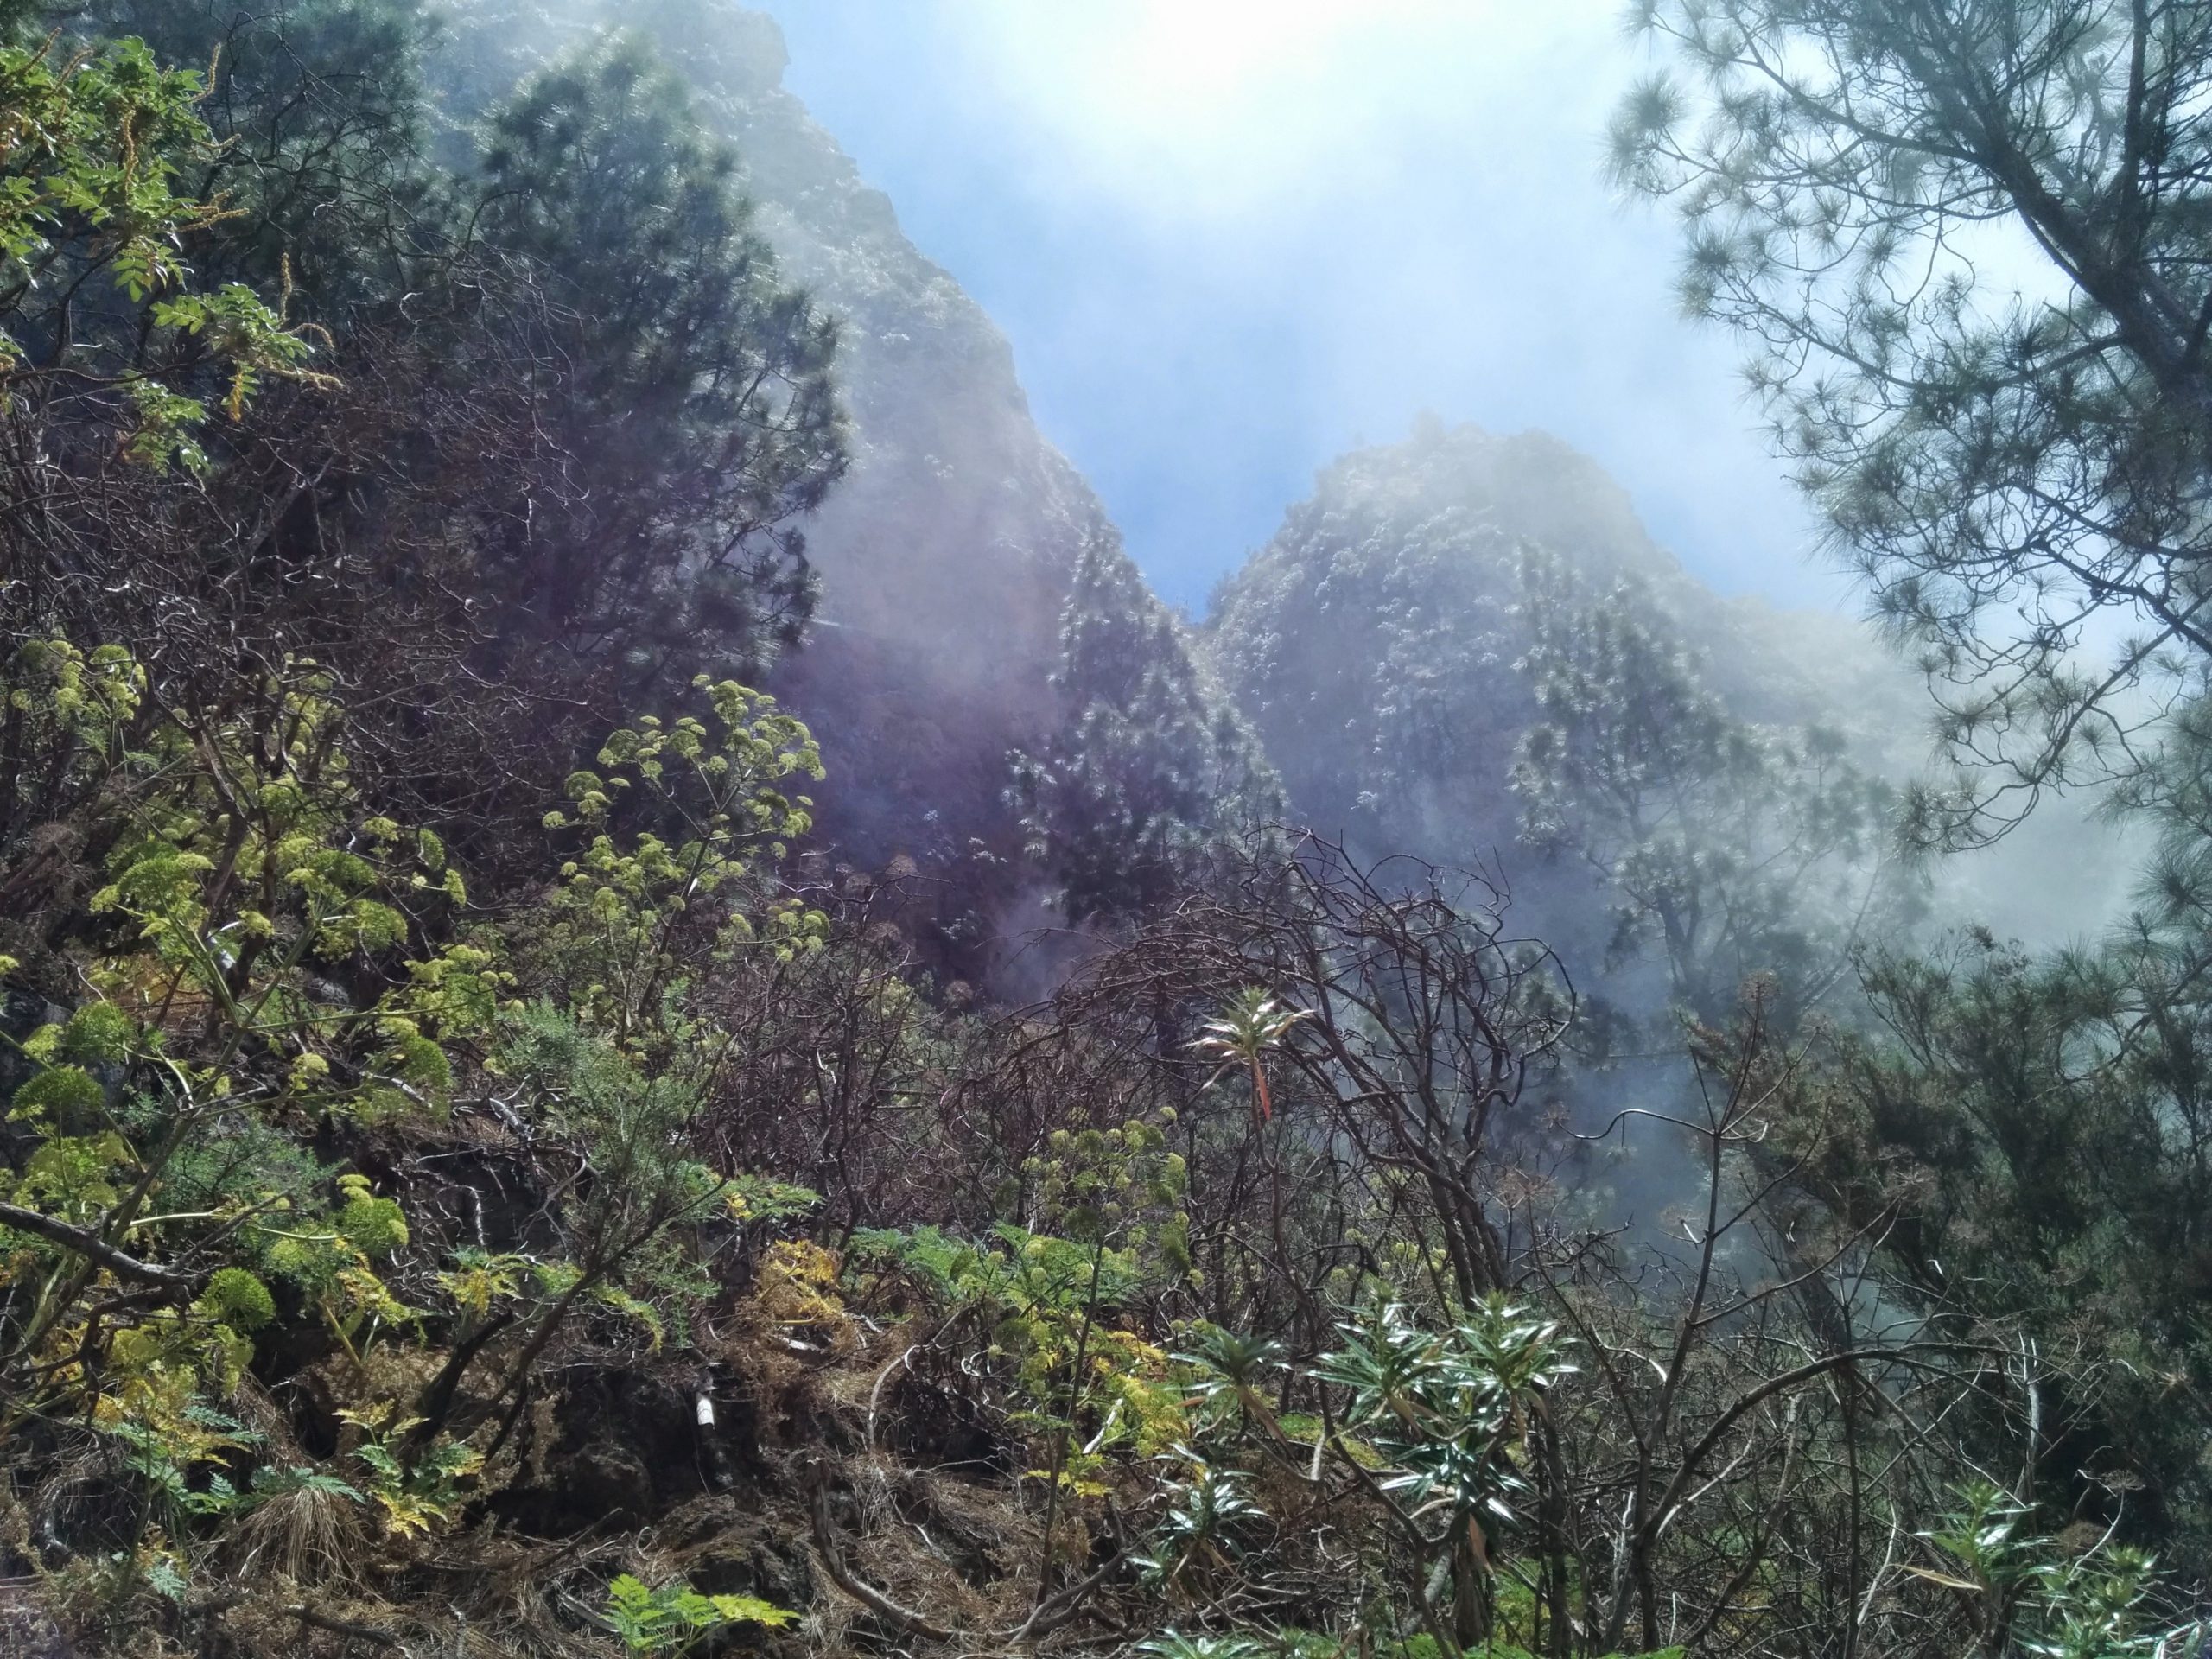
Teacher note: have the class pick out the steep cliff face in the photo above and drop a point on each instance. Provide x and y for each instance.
(945, 554)
(967, 571)
(955, 673)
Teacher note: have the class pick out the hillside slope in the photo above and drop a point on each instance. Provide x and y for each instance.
(1378, 645)
(1373, 641)
(967, 571)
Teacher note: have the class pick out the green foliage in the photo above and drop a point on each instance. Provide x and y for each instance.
(1228, 1370)
(61, 1094)
(2030, 1597)
(1445, 1408)
(236, 873)
(596, 170)
(1043, 1305)
(1032, 1289)
(416, 1495)
(668, 1618)
(96, 148)
(242, 875)
(1172, 1644)
(272, 1481)
(1151, 772)
(1202, 1527)
(630, 1120)
(372, 1225)
(2032, 1122)
(98, 1033)
(618, 926)
(1438, 1420)
(588, 424)
(234, 1297)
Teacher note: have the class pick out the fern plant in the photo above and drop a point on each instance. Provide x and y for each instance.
(670, 1617)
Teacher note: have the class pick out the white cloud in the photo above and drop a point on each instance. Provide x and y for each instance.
(1235, 106)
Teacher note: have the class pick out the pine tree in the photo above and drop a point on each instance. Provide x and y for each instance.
(1151, 770)
(1968, 245)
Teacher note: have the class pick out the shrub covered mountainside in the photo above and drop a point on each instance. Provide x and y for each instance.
(1378, 641)
(959, 521)
(956, 520)
(1467, 647)
(479, 1179)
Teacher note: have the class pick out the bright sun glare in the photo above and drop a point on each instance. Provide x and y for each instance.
(1232, 99)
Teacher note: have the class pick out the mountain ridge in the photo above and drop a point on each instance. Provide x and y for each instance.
(958, 521)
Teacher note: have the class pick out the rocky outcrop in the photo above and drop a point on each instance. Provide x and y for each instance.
(951, 555)
(1374, 641)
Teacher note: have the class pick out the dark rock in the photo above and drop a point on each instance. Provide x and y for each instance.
(781, 1572)
(21, 1013)
(626, 1452)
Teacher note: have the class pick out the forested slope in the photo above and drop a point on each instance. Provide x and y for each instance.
(1466, 646)
(956, 520)
(1435, 603)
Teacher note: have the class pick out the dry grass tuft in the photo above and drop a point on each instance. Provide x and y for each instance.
(310, 1535)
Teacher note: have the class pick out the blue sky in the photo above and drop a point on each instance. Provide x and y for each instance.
(1229, 238)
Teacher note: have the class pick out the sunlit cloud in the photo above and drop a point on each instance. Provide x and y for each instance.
(1232, 106)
